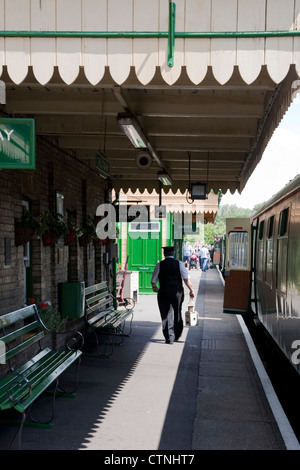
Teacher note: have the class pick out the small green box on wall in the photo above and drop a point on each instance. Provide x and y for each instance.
(17, 143)
(72, 299)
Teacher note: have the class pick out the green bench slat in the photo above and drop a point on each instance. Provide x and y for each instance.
(20, 332)
(40, 371)
(96, 297)
(109, 319)
(96, 307)
(42, 386)
(95, 288)
(22, 346)
(17, 316)
(30, 379)
(99, 315)
(117, 320)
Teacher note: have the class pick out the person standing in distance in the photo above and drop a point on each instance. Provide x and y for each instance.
(204, 254)
(170, 273)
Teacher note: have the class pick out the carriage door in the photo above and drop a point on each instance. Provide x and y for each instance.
(237, 266)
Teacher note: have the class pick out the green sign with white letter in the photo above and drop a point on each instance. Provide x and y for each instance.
(17, 143)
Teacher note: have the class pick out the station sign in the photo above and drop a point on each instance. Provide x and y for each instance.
(189, 228)
(131, 213)
(17, 143)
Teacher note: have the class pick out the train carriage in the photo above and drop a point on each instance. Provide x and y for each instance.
(275, 271)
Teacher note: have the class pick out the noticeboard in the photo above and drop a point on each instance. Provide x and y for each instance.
(17, 143)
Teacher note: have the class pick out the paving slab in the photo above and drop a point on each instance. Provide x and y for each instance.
(201, 393)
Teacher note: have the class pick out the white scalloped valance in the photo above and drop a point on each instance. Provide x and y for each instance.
(121, 34)
(175, 202)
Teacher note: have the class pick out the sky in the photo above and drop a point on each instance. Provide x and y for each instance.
(279, 164)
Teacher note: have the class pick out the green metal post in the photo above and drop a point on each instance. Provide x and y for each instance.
(171, 38)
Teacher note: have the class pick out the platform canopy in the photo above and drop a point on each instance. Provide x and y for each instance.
(205, 81)
(205, 210)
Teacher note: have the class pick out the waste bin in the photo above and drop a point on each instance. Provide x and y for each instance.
(72, 299)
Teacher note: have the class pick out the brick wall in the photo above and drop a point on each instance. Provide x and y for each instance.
(83, 191)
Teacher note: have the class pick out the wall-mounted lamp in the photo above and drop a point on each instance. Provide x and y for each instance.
(132, 129)
(164, 178)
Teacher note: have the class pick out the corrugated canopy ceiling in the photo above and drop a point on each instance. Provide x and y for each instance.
(208, 132)
(207, 81)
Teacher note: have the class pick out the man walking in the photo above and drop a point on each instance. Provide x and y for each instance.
(170, 273)
(204, 253)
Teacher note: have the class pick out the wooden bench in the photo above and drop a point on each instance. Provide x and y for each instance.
(102, 316)
(22, 384)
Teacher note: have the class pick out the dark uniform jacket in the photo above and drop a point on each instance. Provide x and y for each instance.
(170, 276)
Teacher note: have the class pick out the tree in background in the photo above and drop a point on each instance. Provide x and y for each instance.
(218, 228)
(226, 211)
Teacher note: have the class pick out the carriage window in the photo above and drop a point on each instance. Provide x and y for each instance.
(269, 260)
(281, 283)
(282, 246)
(238, 250)
(260, 259)
(270, 226)
(269, 251)
(261, 230)
(283, 222)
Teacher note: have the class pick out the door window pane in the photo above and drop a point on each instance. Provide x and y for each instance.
(238, 250)
(269, 261)
(282, 265)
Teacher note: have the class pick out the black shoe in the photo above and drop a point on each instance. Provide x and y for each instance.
(168, 341)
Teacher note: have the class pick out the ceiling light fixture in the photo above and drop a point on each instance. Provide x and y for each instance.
(132, 129)
(164, 178)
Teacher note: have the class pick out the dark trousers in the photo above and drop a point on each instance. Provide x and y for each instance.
(170, 304)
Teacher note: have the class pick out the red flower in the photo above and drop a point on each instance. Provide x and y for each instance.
(47, 238)
(31, 300)
(70, 236)
(43, 305)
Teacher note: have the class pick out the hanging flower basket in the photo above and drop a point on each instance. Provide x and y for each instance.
(71, 231)
(50, 238)
(70, 236)
(25, 229)
(23, 234)
(52, 228)
(88, 232)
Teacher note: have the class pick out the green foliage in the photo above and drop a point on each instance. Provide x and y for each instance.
(28, 221)
(52, 223)
(219, 227)
(49, 315)
(232, 211)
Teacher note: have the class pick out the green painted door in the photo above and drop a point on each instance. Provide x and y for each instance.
(144, 249)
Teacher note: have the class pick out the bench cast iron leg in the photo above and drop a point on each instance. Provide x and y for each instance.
(18, 435)
(53, 409)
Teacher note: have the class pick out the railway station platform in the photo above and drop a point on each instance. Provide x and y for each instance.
(200, 393)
